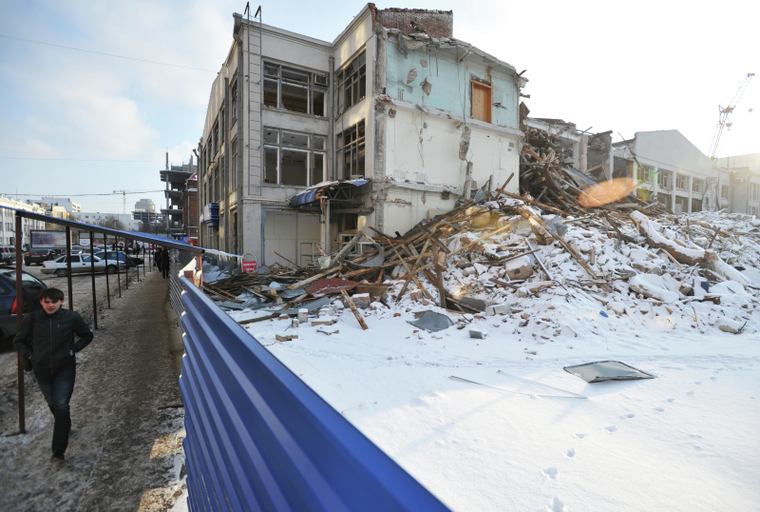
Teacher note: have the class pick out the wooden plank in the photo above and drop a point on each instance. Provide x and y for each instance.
(355, 311)
(412, 275)
(326, 273)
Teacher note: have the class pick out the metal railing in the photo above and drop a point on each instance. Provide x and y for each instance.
(258, 438)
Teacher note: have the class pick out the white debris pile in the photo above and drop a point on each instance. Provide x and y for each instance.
(696, 271)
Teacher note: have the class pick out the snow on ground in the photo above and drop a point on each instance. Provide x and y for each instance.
(516, 437)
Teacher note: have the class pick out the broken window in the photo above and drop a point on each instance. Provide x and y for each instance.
(755, 196)
(352, 83)
(682, 181)
(481, 101)
(724, 192)
(293, 158)
(698, 186)
(350, 152)
(294, 89)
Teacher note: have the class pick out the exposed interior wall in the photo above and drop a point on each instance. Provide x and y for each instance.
(450, 83)
(406, 208)
(423, 147)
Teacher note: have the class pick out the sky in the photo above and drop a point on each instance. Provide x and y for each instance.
(94, 94)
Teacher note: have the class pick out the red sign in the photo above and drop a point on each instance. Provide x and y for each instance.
(249, 266)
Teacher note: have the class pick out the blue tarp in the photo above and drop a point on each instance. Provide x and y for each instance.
(310, 195)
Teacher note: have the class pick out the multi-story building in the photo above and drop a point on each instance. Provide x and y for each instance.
(669, 167)
(8, 221)
(68, 204)
(744, 193)
(175, 177)
(307, 142)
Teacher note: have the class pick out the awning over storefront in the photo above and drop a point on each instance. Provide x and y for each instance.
(333, 190)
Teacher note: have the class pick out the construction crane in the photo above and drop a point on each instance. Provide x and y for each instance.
(125, 192)
(725, 115)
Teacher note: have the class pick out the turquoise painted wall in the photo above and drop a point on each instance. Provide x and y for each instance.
(451, 85)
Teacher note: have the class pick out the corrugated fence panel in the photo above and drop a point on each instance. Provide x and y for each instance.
(258, 438)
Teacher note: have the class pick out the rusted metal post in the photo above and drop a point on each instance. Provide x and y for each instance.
(92, 274)
(118, 269)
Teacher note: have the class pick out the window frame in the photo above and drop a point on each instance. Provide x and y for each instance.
(351, 147)
(352, 83)
(274, 73)
(280, 147)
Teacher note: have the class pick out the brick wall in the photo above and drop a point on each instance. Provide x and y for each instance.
(437, 24)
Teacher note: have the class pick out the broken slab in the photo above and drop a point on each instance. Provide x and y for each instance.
(432, 321)
(601, 371)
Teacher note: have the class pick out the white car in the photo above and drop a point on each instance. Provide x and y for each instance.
(80, 263)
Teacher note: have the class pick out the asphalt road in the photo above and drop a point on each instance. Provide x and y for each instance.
(126, 413)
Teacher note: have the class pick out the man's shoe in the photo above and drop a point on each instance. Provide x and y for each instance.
(58, 455)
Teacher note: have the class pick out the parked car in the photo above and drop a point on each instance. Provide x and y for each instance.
(30, 295)
(39, 256)
(80, 263)
(7, 255)
(130, 261)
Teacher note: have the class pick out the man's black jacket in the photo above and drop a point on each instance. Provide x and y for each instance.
(52, 344)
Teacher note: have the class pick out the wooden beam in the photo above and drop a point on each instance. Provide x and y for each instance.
(351, 305)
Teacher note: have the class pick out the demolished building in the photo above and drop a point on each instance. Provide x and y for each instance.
(308, 142)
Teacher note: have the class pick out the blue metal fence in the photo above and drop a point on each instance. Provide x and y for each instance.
(258, 438)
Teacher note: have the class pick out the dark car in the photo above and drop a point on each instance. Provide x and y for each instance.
(30, 291)
(7, 255)
(130, 261)
(39, 256)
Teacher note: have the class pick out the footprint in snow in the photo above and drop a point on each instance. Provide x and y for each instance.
(611, 429)
(551, 473)
(580, 436)
(670, 400)
(571, 453)
(556, 506)
(629, 415)
(690, 393)
(659, 409)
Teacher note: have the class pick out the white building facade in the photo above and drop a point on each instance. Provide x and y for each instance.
(8, 221)
(307, 142)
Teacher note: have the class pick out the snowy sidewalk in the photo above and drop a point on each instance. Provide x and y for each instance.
(125, 447)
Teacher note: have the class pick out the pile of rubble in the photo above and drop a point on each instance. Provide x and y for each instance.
(492, 258)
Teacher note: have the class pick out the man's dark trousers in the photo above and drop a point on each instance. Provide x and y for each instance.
(57, 385)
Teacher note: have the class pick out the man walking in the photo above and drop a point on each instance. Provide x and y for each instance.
(164, 263)
(47, 339)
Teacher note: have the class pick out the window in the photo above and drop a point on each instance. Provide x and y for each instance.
(294, 89)
(724, 192)
(293, 158)
(755, 194)
(350, 151)
(234, 99)
(666, 179)
(698, 186)
(644, 174)
(352, 83)
(682, 181)
(234, 165)
(481, 101)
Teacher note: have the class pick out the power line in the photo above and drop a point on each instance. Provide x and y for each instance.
(7, 194)
(79, 160)
(107, 54)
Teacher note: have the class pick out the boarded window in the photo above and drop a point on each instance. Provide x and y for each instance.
(481, 102)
